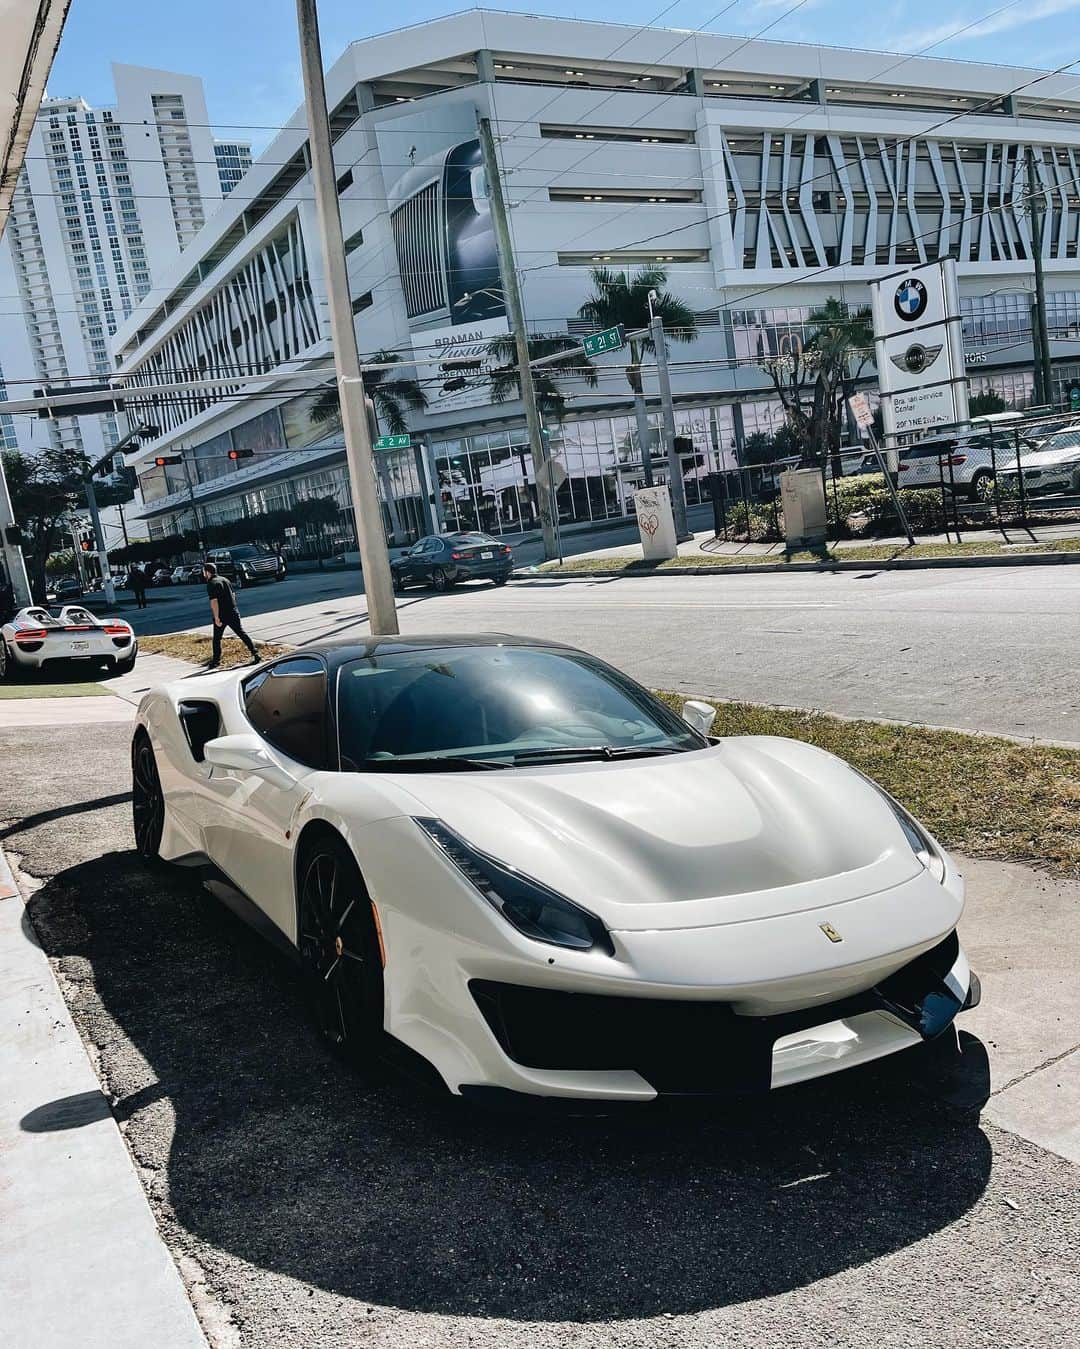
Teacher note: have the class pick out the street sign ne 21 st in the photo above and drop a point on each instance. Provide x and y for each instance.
(611, 339)
(393, 442)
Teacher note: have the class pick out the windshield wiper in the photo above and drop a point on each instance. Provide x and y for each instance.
(593, 752)
(431, 763)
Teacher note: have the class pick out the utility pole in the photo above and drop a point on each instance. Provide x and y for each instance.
(108, 589)
(13, 556)
(675, 476)
(1036, 205)
(508, 271)
(374, 558)
(641, 417)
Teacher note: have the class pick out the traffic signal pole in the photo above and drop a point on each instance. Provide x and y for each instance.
(667, 407)
(367, 514)
(107, 587)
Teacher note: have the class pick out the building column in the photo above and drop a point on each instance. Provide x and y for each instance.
(485, 67)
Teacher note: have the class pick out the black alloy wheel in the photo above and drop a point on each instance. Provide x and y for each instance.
(7, 665)
(398, 582)
(501, 580)
(440, 579)
(340, 952)
(147, 798)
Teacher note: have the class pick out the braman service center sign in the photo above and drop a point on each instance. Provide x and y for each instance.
(919, 347)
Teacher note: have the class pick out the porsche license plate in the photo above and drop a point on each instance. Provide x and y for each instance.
(80, 646)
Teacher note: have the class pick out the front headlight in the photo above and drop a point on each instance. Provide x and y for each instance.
(531, 907)
(916, 836)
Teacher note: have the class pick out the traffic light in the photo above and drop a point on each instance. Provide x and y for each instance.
(14, 535)
(241, 454)
(683, 445)
(164, 459)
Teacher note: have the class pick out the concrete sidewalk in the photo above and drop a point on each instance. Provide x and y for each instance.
(117, 703)
(81, 1259)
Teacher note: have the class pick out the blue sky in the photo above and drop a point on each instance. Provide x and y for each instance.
(246, 50)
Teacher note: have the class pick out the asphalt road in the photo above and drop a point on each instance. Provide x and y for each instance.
(989, 649)
(326, 1210)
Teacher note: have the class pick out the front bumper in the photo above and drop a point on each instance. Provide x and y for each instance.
(705, 1048)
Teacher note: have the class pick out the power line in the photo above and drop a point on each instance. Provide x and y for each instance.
(845, 163)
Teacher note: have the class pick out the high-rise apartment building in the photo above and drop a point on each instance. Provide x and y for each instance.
(106, 200)
(233, 160)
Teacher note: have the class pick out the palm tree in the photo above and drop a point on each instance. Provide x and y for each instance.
(619, 298)
(388, 401)
(503, 376)
(391, 398)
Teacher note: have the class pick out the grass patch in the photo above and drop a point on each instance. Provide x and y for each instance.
(980, 795)
(10, 689)
(863, 552)
(196, 648)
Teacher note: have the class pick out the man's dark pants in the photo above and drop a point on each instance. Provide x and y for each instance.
(232, 622)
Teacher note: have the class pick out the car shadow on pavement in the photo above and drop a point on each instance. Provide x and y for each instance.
(264, 1147)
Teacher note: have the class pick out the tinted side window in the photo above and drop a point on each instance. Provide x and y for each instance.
(286, 704)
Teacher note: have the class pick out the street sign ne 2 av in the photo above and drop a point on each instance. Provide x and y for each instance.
(611, 339)
(393, 442)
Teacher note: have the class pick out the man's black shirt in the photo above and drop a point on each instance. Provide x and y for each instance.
(218, 588)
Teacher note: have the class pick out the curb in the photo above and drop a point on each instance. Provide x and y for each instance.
(82, 1260)
(786, 568)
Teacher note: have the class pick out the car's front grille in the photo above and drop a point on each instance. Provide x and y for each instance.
(418, 239)
(692, 1046)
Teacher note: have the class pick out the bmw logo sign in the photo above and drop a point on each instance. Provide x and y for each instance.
(910, 299)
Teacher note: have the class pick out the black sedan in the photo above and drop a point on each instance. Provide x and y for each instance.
(443, 560)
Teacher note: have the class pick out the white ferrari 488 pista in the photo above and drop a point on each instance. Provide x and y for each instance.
(511, 867)
(37, 637)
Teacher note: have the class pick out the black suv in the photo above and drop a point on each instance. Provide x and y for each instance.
(247, 563)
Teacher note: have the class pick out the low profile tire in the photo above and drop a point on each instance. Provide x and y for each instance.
(7, 665)
(398, 584)
(340, 952)
(501, 580)
(123, 667)
(147, 799)
(440, 580)
(982, 487)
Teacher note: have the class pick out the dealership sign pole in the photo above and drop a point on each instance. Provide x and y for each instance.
(918, 341)
(367, 513)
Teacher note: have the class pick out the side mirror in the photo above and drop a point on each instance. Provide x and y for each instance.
(246, 754)
(699, 715)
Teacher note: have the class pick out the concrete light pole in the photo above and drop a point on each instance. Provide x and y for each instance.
(374, 558)
(675, 477)
(1041, 336)
(13, 557)
(517, 323)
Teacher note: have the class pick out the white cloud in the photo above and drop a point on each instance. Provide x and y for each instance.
(1018, 14)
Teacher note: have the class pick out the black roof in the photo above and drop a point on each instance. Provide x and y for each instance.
(340, 649)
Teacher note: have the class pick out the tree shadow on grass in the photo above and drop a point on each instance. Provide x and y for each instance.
(282, 1157)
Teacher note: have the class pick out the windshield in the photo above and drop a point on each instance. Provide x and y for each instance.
(496, 703)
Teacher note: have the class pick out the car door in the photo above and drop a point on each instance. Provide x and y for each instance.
(249, 835)
(414, 561)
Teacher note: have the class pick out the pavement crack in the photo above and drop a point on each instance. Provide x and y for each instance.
(1048, 1063)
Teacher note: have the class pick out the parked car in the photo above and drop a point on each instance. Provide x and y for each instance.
(247, 563)
(68, 589)
(188, 573)
(508, 867)
(964, 463)
(37, 637)
(1054, 466)
(161, 577)
(443, 560)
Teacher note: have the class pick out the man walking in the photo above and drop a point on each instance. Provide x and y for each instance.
(137, 579)
(224, 613)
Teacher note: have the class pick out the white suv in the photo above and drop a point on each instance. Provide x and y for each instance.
(965, 463)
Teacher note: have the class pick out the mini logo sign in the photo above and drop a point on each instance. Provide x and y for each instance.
(830, 931)
(910, 299)
(917, 358)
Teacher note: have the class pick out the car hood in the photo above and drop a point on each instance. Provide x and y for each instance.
(754, 827)
(1048, 458)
